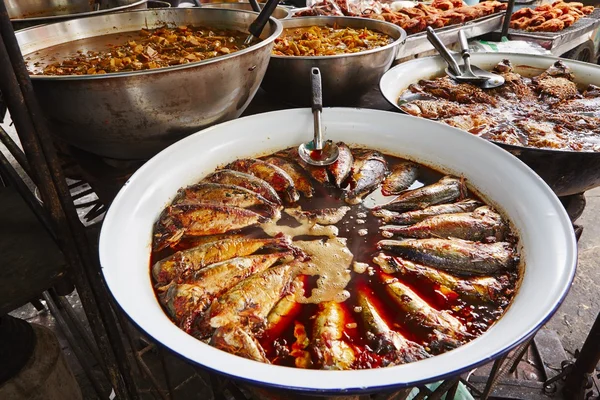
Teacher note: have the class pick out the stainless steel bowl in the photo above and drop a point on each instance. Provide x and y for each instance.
(133, 115)
(26, 13)
(279, 13)
(346, 77)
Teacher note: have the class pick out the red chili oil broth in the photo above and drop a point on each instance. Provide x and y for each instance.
(476, 315)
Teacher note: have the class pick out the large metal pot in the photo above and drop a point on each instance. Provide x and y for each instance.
(133, 115)
(566, 172)
(26, 13)
(279, 13)
(530, 205)
(346, 77)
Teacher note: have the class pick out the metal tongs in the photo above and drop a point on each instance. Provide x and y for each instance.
(468, 73)
(257, 26)
(316, 152)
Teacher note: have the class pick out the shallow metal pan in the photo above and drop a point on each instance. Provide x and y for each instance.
(566, 172)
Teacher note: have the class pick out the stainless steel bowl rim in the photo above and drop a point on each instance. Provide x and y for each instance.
(507, 56)
(62, 17)
(325, 19)
(111, 75)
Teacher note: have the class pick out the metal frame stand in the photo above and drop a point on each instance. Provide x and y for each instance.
(564, 379)
(579, 381)
(46, 172)
(85, 353)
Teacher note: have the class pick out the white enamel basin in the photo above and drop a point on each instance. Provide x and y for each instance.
(547, 239)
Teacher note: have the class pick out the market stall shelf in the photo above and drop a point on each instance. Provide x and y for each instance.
(418, 43)
(445, 16)
(564, 40)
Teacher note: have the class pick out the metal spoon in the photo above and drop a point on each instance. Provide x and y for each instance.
(408, 97)
(317, 152)
(439, 46)
(257, 26)
(473, 72)
(454, 70)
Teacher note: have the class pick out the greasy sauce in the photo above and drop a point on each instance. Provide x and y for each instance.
(477, 316)
(131, 51)
(524, 115)
(363, 273)
(327, 41)
(37, 61)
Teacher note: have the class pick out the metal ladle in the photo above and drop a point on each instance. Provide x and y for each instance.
(316, 152)
(473, 71)
(486, 81)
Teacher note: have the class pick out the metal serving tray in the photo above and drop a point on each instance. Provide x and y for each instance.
(564, 40)
(417, 43)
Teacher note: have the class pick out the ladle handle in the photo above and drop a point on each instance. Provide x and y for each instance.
(257, 26)
(439, 46)
(317, 106)
(464, 49)
(507, 16)
(255, 6)
(462, 40)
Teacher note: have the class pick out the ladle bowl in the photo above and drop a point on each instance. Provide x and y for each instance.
(318, 152)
